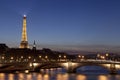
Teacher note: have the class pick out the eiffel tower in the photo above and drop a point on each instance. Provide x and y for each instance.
(24, 41)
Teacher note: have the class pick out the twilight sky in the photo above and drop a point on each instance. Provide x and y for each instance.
(72, 25)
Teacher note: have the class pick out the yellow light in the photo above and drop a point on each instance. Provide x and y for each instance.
(29, 57)
(46, 77)
(82, 56)
(3, 57)
(102, 77)
(81, 77)
(30, 64)
(2, 76)
(59, 56)
(35, 64)
(79, 56)
(11, 57)
(21, 56)
(40, 56)
(107, 54)
(29, 77)
(21, 76)
(102, 57)
(39, 77)
(65, 65)
(108, 65)
(64, 56)
(117, 66)
(11, 77)
(26, 71)
(59, 77)
(65, 77)
(46, 56)
(98, 55)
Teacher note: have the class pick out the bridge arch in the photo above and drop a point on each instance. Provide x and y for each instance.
(48, 66)
(80, 66)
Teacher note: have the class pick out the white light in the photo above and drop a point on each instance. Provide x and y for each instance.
(39, 56)
(21, 56)
(59, 56)
(29, 57)
(3, 57)
(30, 64)
(26, 71)
(11, 57)
(24, 15)
(46, 56)
(35, 64)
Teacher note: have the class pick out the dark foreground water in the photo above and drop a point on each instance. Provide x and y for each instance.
(60, 74)
(36, 76)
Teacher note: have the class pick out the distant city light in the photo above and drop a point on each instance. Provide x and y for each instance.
(11, 57)
(35, 64)
(79, 56)
(59, 56)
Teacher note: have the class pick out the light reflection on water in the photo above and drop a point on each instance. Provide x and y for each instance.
(81, 77)
(102, 77)
(53, 75)
(11, 76)
(38, 76)
(2, 76)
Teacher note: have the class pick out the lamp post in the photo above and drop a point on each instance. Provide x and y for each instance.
(65, 57)
(40, 56)
(83, 57)
(3, 58)
(79, 56)
(46, 57)
(59, 57)
(107, 55)
(98, 56)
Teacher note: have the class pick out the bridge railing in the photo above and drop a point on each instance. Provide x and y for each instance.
(62, 61)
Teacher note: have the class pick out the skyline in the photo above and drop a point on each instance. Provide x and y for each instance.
(63, 24)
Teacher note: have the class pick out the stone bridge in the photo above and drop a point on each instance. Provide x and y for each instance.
(70, 66)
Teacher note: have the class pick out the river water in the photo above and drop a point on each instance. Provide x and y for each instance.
(60, 74)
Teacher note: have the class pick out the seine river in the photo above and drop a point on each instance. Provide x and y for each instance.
(91, 73)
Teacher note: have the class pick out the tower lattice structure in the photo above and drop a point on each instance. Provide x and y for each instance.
(24, 41)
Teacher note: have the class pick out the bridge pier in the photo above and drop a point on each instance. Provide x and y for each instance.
(113, 69)
(71, 71)
(70, 68)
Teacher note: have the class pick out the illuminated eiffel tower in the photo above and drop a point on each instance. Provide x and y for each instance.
(24, 41)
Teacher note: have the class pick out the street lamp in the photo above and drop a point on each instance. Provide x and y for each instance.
(46, 57)
(59, 57)
(21, 56)
(98, 55)
(3, 57)
(107, 54)
(11, 58)
(40, 56)
(29, 57)
(65, 57)
(79, 56)
(83, 57)
(102, 57)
